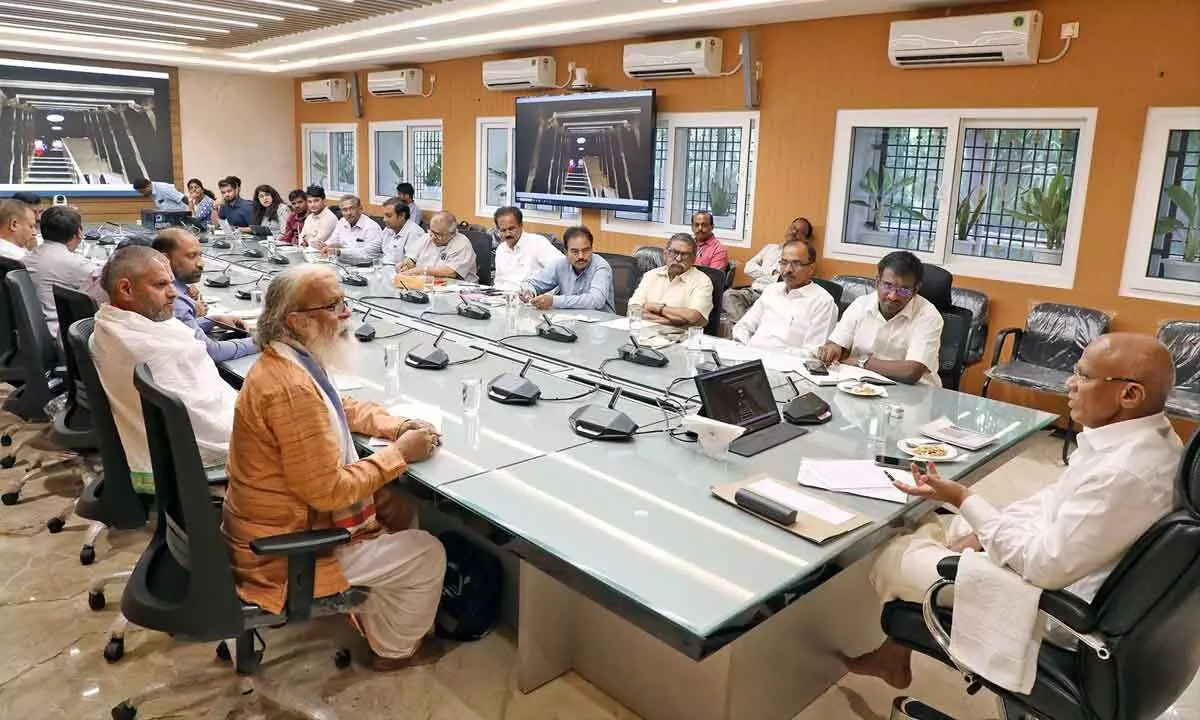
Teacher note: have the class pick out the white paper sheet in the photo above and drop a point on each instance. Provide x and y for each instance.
(800, 501)
(621, 323)
(854, 477)
(839, 372)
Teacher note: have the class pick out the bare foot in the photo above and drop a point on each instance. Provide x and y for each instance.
(428, 652)
(890, 662)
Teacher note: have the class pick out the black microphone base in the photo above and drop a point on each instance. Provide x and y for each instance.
(512, 389)
(427, 357)
(601, 423)
(643, 356)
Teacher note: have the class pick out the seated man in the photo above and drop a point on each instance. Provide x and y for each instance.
(583, 280)
(321, 221)
(675, 294)
(233, 208)
(1072, 533)
(295, 221)
(166, 196)
(895, 332)
(18, 229)
(186, 257)
(288, 475)
(796, 313)
(138, 325)
(55, 261)
(443, 252)
(763, 270)
(520, 254)
(399, 230)
(406, 192)
(356, 238)
(710, 252)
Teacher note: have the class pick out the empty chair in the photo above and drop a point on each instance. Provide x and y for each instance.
(833, 289)
(648, 257)
(73, 424)
(1145, 617)
(853, 287)
(183, 583)
(977, 303)
(485, 262)
(625, 279)
(38, 353)
(11, 369)
(1182, 338)
(952, 355)
(718, 282)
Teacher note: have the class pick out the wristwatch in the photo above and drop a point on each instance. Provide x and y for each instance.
(862, 361)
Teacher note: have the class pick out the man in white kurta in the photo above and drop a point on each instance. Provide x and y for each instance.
(1072, 533)
(795, 314)
(520, 255)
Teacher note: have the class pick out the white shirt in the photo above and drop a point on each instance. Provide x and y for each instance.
(317, 228)
(914, 333)
(801, 319)
(1072, 534)
(11, 250)
(395, 241)
(52, 263)
(457, 254)
(362, 240)
(531, 253)
(166, 198)
(763, 268)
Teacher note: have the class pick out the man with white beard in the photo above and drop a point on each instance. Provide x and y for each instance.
(293, 467)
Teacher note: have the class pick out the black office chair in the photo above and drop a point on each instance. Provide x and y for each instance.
(833, 289)
(1140, 645)
(1045, 351)
(73, 424)
(336, 209)
(11, 369)
(1182, 338)
(977, 303)
(936, 287)
(625, 279)
(485, 255)
(648, 257)
(183, 584)
(558, 244)
(956, 337)
(718, 283)
(853, 287)
(730, 273)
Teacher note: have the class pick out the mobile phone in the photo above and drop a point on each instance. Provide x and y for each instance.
(816, 367)
(890, 461)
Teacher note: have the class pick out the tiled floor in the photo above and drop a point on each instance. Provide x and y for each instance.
(52, 666)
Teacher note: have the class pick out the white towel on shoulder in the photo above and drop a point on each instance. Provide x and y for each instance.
(997, 630)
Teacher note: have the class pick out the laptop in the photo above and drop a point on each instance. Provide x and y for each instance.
(741, 395)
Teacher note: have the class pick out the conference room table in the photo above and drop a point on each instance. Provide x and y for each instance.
(631, 572)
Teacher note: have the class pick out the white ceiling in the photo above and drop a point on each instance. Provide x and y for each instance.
(303, 37)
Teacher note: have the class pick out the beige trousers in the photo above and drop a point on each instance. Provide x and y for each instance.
(404, 571)
(907, 565)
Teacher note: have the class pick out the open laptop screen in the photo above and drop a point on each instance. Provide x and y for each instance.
(739, 395)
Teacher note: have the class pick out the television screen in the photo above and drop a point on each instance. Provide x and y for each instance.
(592, 150)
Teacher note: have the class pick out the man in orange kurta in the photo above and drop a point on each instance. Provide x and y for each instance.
(292, 467)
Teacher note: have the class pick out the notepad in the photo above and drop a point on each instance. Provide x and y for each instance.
(840, 372)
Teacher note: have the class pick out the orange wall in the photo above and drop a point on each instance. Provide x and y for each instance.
(1125, 61)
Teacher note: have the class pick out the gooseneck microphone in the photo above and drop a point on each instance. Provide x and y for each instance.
(635, 353)
(428, 356)
(510, 389)
(554, 332)
(707, 367)
(366, 331)
(600, 422)
(220, 281)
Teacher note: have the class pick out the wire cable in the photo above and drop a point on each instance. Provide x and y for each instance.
(467, 360)
(580, 396)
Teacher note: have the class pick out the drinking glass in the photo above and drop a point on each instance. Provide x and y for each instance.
(694, 335)
(472, 395)
(635, 320)
(256, 296)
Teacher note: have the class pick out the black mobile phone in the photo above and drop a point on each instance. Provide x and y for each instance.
(890, 461)
(816, 367)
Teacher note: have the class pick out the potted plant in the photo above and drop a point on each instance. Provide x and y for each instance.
(885, 195)
(499, 185)
(433, 178)
(966, 218)
(320, 168)
(720, 199)
(1188, 205)
(1046, 207)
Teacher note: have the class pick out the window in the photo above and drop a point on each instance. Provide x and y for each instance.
(985, 193)
(1162, 254)
(701, 162)
(330, 153)
(407, 151)
(493, 175)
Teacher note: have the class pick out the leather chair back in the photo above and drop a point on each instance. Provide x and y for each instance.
(952, 355)
(853, 287)
(8, 323)
(1055, 334)
(833, 289)
(71, 305)
(936, 285)
(485, 255)
(718, 283)
(1182, 338)
(977, 303)
(625, 279)
(39, 355)
(648, 257)
(183, 583)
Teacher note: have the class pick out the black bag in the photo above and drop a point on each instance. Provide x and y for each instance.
(471, 592)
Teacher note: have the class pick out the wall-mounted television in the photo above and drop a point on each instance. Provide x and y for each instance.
(592, 150)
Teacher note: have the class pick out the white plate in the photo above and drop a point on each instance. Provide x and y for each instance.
(908, 444)
(861, 389)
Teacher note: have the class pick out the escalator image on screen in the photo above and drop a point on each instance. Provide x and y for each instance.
(593, 150)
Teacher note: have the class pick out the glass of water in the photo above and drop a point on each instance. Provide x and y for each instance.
(634, 314)
(256, 296)
(472, 395)
(694, 335)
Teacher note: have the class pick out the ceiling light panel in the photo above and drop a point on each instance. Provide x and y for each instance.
(139, 9)
(45, 8)
(77, 67)
(46, 86)
(70, 35)
(52, 23)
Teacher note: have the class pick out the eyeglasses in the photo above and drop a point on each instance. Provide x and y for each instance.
(336, 307)
(794, 264)
(904, 292)
(681, 254)
(1108, 378)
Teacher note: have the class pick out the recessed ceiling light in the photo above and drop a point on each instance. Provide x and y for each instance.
(56, 127)
(159, 13)
(422, 37)
(286, 4)
(75, 99)
(119, 18)
(670, 2)
(67, 33)
(91, 26)
(227, 11)
(94, 69)
(77, 87)
(55, 118)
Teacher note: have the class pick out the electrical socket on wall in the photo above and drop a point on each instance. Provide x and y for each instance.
(1069, 30)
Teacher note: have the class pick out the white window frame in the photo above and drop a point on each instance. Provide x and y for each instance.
(482, 209)
(954, 121)
(306, 129)
(746, 184)
(1160, 121)
(407, 126)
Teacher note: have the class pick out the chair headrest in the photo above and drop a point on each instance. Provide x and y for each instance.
(1188, 486)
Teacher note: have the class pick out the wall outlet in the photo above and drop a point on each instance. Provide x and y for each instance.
(1069, 30)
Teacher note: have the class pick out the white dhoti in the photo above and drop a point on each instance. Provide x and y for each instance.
(907, 565)
(404, 571)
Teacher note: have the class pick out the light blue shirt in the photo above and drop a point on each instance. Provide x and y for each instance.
(167, 198)
(591, 289)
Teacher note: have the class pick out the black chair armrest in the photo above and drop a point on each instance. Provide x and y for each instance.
(301, 549)
(1016, 333)
(1070, 610)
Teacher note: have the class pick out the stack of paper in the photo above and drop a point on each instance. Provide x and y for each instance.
(839, 372)
(856, 477)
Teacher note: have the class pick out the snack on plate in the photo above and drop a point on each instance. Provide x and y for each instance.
(932, 452)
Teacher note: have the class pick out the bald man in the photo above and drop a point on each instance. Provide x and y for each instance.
(183, 251)
(1071, 534)
(443, 252)
(138, 324)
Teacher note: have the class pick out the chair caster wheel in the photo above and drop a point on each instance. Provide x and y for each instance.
(87, 555)
(8, 461)
(96, 601)
(6, 440)
(124, 711)
(55, 525)
(10, 498)
(341, 659)
(223, 652)
(114, 650)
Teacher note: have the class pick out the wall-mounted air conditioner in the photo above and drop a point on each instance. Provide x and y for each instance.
(316, 91)
(394, 83)
(520, 74)
(1011, 38)
(696, 57)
